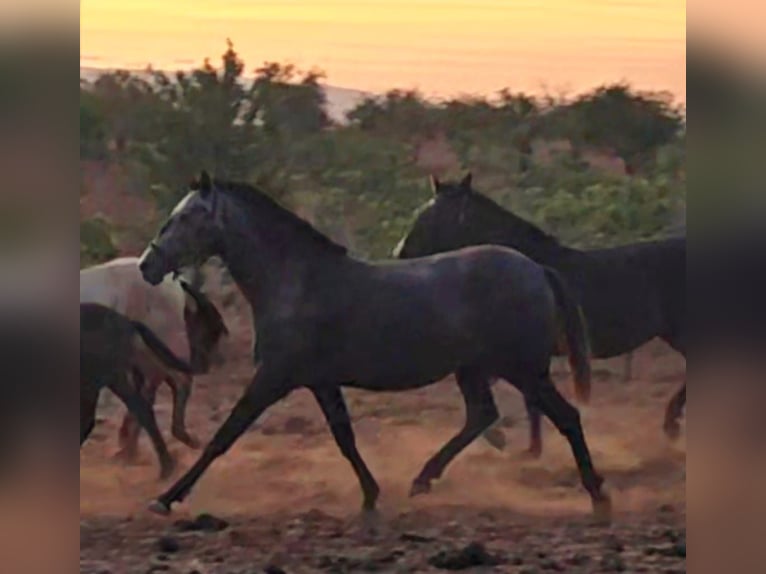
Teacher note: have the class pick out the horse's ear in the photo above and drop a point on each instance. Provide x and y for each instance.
(465, 183)
(434, 183)
(205, 183)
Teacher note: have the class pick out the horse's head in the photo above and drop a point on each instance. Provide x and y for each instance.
(437, 226)
(188, 237)
(459, 216)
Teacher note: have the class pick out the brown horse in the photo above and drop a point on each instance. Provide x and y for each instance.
(112, 347)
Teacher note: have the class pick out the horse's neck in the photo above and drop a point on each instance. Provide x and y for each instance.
(263, 273)
(547, 252)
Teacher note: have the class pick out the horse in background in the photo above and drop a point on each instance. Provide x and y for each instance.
(112, 347)
(186, 321)
(327, 320)
(629, 294)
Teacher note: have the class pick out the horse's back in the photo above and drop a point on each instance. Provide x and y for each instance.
(105, 341)
(118, 284)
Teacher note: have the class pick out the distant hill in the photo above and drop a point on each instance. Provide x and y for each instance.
(339, 100)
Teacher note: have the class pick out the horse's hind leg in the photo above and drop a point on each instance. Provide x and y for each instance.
(130, 430)
(493, 435)
(88, 403)
(675, 408)
(535, 449)
(566, 418)
(673, 412)
(181, 386)
(496, 438)
(142, 410)
(333, 406)
(481, 412)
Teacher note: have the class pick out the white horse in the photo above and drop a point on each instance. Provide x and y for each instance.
(166, 310)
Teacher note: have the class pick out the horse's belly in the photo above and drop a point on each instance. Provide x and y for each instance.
(400, 372)
(398, 382)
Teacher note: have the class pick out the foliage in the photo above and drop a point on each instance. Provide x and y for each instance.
(93, 129)
(96, 243)
(361, 181)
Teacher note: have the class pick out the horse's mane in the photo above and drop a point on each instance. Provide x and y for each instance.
(522, 226)
(258, 199)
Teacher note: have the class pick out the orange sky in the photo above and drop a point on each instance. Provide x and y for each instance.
(441, 47)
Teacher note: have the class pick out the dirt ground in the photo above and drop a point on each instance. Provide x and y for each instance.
(291, 500)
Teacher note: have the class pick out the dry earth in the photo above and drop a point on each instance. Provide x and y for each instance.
(290, 499)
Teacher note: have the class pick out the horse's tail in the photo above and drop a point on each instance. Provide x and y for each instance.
(160, 349)
(577, 345)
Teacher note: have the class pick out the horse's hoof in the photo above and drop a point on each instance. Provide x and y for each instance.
(367, 522)
(191, 441)
(672, 430)
(602, 509)
(533, 453)
(495, 437)
(159, 507)
(420, 487)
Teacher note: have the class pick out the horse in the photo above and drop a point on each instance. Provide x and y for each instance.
(327, 320)
(109, 345)
(629, 294)
(183, 317)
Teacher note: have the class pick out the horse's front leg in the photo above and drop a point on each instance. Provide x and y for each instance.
(181, 386)
(130, 430)
(267, 387)
(333, 406)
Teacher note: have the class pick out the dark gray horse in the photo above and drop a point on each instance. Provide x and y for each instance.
(107, 357)
(326, 320)
(629, 294)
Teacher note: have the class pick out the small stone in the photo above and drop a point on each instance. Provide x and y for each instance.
(272, 569)
(414, 537)
(551, 565)
(168, 545)
(202, 523)
(209, 523)
(614, 544)
(578, 559)
(470, 556)
(613, 563)
(675, 550)
(185, 525)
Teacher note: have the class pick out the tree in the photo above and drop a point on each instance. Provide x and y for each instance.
(633, 125)
(93, 131)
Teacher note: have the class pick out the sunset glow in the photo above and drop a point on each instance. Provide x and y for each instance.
(442, 47)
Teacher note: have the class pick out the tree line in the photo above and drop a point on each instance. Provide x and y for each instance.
(361, 180)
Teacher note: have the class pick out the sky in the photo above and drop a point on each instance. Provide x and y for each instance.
(443, 48)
